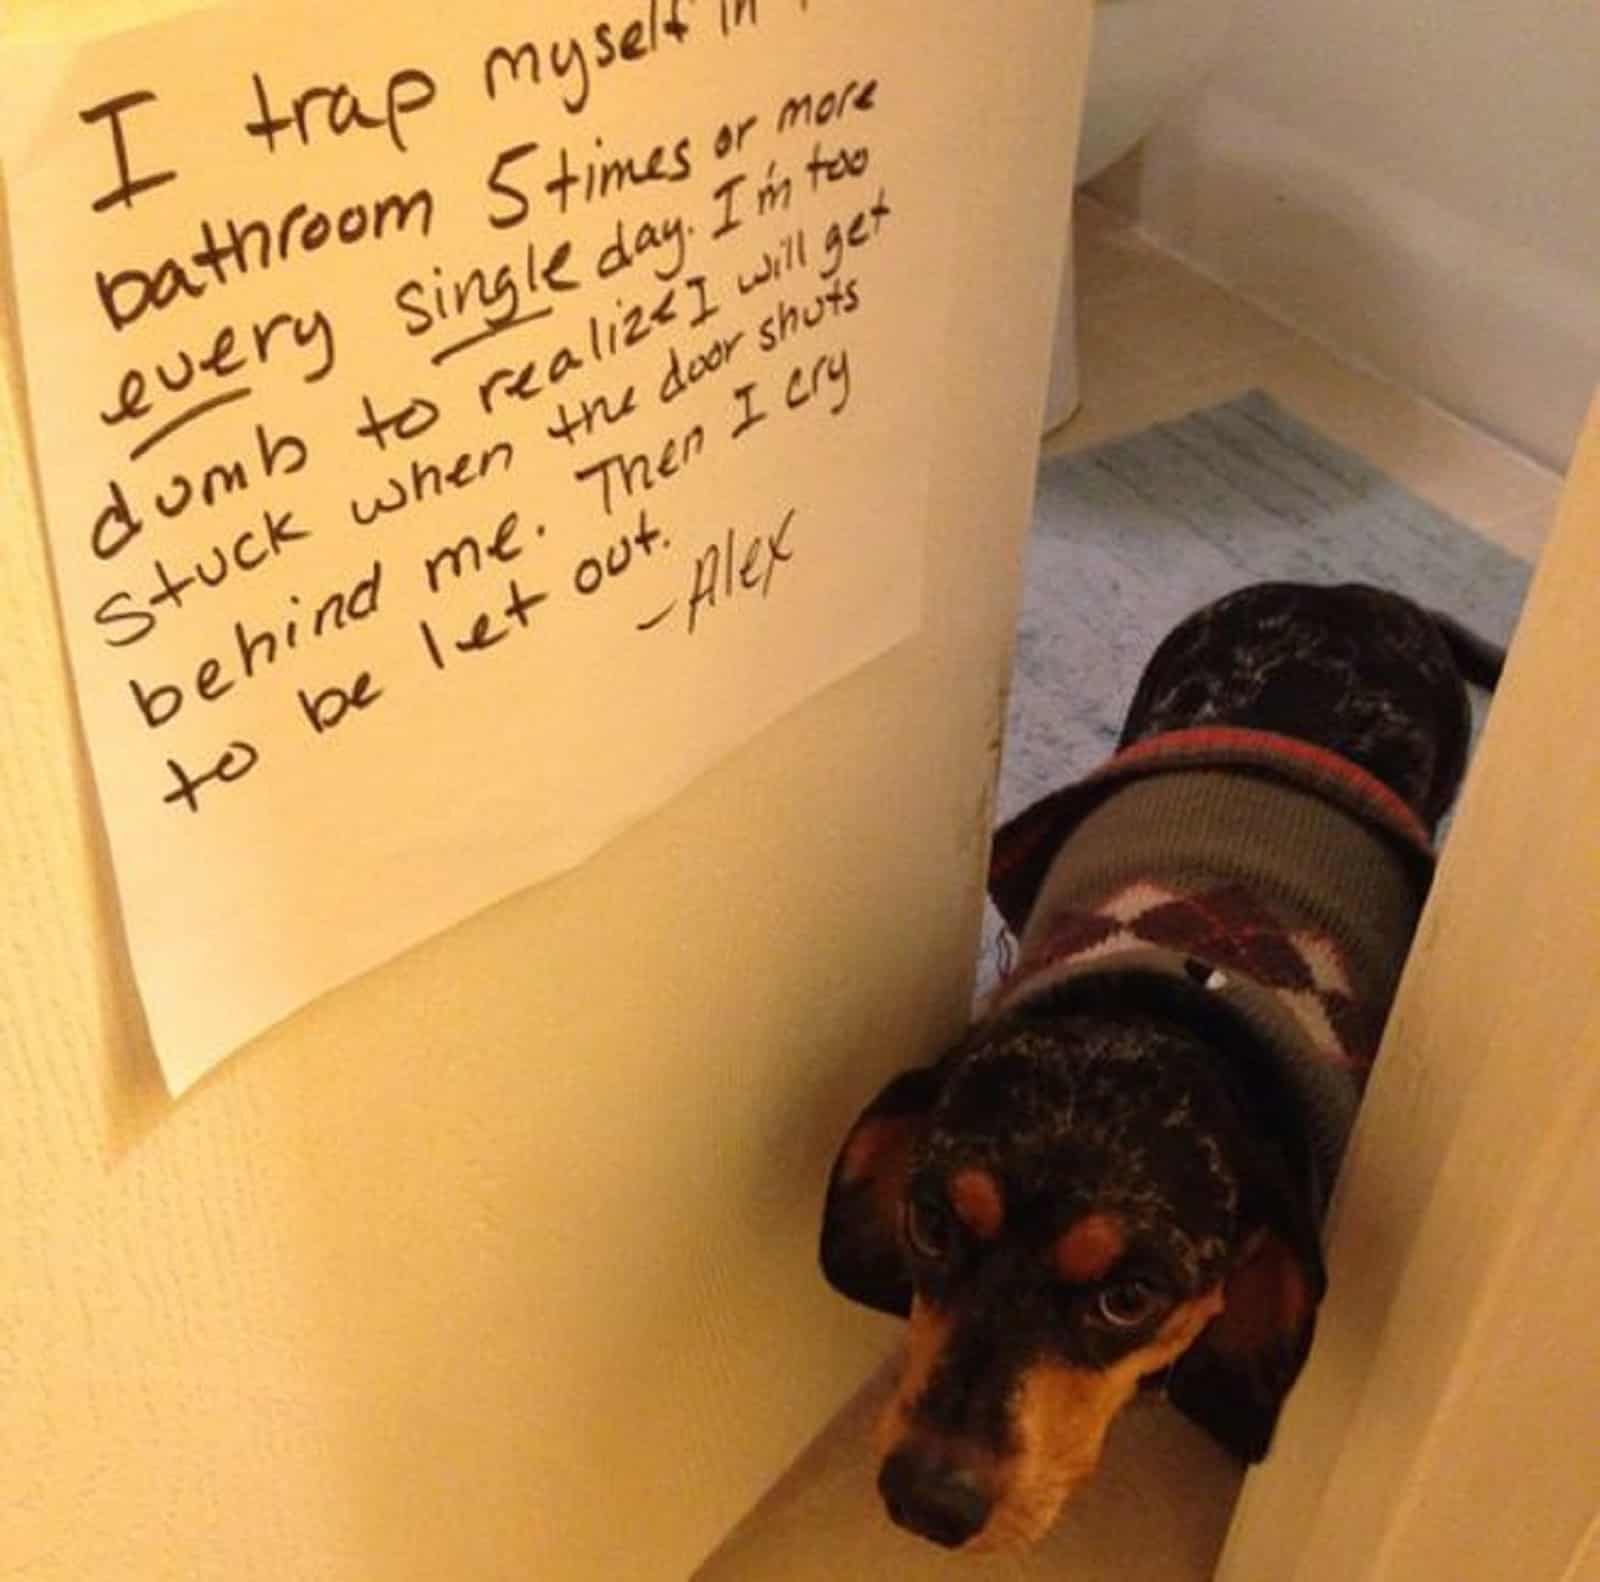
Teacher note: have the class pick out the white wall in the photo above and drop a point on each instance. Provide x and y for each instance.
(1417, 183)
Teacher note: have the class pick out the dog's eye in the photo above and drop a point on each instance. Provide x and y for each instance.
(930, 1226)
(1125, 1303)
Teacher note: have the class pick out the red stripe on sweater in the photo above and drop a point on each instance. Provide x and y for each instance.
(1200, 739)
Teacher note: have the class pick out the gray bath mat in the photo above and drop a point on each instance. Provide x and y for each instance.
(1129, 537)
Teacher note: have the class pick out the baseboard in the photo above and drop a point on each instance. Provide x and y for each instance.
(1488, 328)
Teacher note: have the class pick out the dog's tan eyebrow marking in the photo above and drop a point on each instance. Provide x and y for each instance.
(1087, 1250)
(978, 1201)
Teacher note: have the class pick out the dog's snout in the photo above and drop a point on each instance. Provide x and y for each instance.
(933, 1498)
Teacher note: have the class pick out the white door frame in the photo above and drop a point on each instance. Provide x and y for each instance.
(1448, 1425)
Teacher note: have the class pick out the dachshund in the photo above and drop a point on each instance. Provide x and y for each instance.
(1117, 1177)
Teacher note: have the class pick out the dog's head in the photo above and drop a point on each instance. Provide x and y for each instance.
(1076, 1198)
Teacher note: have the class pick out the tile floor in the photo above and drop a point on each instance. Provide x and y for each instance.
(1155, 340)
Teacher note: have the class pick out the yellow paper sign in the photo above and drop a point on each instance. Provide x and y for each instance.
(457, 429)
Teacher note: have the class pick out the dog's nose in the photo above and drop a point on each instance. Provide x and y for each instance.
(932, 1498)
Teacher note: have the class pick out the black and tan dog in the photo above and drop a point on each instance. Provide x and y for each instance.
(1119, 1174)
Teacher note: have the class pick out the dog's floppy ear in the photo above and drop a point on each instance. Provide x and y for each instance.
(1234, 1379)
(861, 1251)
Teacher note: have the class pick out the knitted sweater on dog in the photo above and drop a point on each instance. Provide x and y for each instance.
(1282, 879)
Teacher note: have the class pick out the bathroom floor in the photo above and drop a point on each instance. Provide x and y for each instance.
(1155, 340)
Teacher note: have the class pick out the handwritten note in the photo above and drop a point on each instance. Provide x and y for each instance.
(458, 428)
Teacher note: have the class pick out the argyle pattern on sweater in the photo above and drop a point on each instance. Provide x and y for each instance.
(1025, 845)
(1223, 931)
